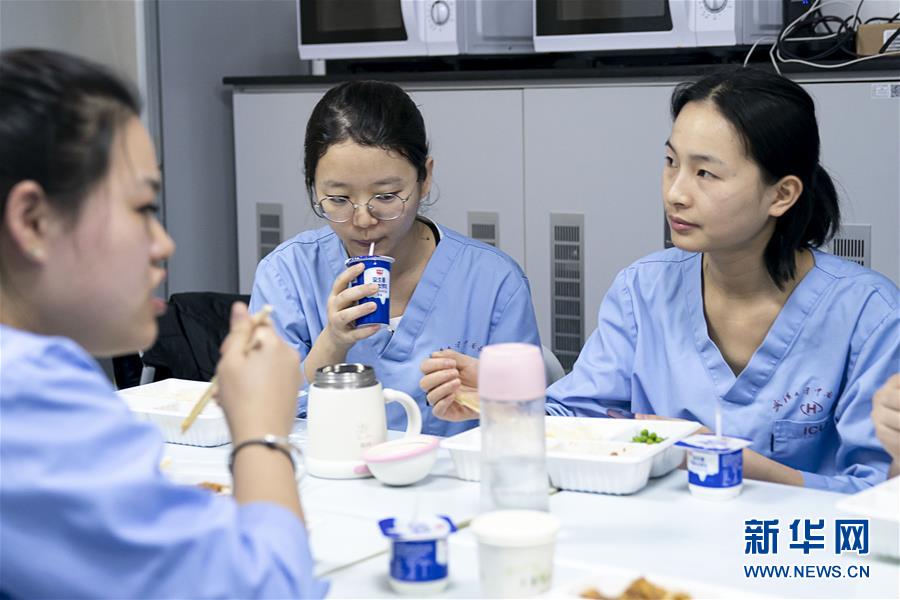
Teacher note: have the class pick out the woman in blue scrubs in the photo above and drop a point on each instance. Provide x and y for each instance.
(745, 313)
(86, 511)
(368, 174)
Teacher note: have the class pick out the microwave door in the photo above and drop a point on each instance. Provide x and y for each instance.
(336, 29)
(597, 25)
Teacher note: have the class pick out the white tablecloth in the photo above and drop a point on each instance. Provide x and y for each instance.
(660, 531)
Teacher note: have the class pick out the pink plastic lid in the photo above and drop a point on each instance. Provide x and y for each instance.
(511, 372)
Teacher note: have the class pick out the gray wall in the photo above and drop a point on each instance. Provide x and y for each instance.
(101, 30)
(200, 42)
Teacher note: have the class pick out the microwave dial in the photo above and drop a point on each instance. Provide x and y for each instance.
(440, 12)
(714, 6)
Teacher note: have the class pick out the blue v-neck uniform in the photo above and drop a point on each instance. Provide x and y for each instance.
(470, 295)
(805, 397)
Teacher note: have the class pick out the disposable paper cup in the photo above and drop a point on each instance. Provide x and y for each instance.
(377, 270)
(515, 552)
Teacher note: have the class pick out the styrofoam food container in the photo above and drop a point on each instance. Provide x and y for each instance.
(166, 403)
(403, 461)
(879, 504)
(515, 552)
(574, 466)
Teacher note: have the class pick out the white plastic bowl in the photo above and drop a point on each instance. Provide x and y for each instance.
(404, 461)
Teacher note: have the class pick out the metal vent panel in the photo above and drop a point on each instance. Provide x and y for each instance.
(567, 287)
(485, 227)
(854, 242)
(269, 227)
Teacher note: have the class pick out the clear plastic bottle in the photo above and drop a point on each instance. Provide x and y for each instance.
(511, 386)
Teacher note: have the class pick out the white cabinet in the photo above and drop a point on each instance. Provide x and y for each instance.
(268, 157)
(476, 142)
(596, 152)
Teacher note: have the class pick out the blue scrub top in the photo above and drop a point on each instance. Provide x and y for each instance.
(805, 397)
(87, 512)
(470, 295)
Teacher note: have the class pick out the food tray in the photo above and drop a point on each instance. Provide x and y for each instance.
(166, 403)
(879, 504)
(579, 453)
(611, 582)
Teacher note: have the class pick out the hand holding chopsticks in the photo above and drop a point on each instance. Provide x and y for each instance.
(256, 320)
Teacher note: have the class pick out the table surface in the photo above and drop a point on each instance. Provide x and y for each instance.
(662, 532)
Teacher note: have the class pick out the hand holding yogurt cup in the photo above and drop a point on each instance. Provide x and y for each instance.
(344, 308)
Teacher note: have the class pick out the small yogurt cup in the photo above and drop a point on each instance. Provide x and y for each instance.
(515, 552)
(419, 564)
(715, 465)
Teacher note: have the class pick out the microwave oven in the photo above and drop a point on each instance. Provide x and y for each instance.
(598, 25)
(342, 29)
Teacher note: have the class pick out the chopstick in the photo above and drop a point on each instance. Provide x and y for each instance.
(255, 321)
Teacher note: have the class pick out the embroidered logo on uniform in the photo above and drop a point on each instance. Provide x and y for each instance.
(810, 408)
(811, 430)
(807, 398)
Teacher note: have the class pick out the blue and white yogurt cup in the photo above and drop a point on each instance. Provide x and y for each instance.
(377, 270)
(419, 561)
(715, 465)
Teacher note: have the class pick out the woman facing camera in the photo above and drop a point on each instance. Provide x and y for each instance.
(368, 175)
(745, 313)
(86, 510)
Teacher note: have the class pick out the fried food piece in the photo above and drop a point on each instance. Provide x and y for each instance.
(640, 589)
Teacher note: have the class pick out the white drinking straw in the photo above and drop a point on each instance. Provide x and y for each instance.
(372, 249)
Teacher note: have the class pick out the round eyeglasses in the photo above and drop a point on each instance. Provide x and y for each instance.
(339, 209)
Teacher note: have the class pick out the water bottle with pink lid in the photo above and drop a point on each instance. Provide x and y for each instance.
(511, 386)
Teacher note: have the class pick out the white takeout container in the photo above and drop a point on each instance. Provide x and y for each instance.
(166, 403)
(878, 504)
(579, 453)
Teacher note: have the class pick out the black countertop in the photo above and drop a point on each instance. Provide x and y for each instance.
(458, 70)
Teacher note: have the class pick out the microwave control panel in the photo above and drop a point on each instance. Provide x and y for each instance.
(440, 27)
(715, 22)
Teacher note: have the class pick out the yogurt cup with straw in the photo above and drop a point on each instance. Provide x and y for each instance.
(377, 270)
(715, 465)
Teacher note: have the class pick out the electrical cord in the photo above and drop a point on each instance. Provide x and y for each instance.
(809, 22)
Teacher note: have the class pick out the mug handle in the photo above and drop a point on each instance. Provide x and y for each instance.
(413, 414)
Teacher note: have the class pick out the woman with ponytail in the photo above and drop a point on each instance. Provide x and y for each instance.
(745, 313)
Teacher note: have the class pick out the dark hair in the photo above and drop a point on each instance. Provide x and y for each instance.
(370, 113)
(776, 120)
(58, 117)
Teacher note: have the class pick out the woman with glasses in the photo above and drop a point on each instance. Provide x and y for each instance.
(368, 174)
